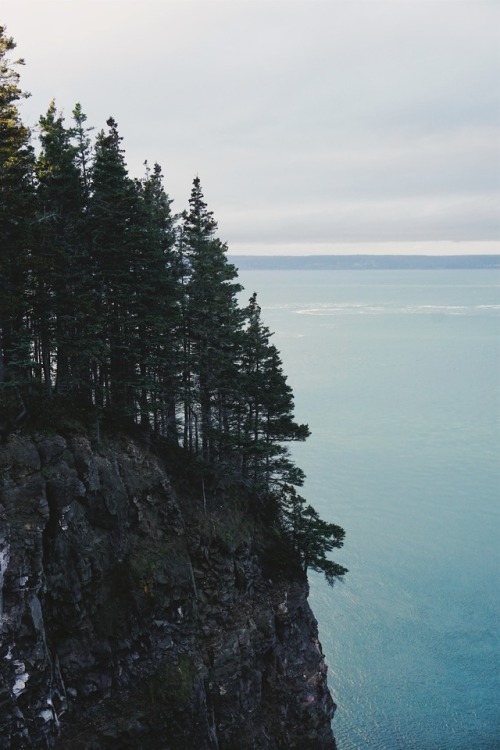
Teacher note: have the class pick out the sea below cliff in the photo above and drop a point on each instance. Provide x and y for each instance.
(397, 373)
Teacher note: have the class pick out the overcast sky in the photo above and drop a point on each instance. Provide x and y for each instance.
(315, 126)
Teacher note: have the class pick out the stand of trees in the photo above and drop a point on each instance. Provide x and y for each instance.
(110, 304)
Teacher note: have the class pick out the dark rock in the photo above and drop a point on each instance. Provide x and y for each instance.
(132, 617)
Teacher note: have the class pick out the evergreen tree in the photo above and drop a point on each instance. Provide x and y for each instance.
(88, 329)
(157, 307)
(58, 257)
(268, 405)
(211, 323)
(83, 147)
(310, 537)
(16, 218)
(113, 217)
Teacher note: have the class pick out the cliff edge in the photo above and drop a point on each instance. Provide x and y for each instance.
(138, 610)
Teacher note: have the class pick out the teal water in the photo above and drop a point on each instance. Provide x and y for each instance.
(398, 375)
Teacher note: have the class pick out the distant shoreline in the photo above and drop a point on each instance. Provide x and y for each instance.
(362, 262)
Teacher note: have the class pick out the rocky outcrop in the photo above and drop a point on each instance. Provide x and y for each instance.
(138, 616)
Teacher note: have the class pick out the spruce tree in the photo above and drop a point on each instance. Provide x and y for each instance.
(59, 257)
(310, 538)
(113, 212)
(16, 219)
(88, 329)
(268, 405)
(211, 322)
(83, 147)
(157, 307)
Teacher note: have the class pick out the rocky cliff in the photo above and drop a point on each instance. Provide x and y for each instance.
(138, 610)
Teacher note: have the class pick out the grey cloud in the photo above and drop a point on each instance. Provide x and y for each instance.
(319, 119)
(469, 218)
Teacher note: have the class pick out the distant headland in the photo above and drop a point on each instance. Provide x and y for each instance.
(362, 262)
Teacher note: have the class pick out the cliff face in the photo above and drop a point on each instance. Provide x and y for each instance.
(130, 619)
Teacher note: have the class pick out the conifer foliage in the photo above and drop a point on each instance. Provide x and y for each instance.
(309, 536)
(111, 306)
(16, 212)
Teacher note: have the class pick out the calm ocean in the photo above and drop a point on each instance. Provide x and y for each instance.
(398, 375)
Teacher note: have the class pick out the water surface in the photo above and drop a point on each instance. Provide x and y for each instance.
(397, 374)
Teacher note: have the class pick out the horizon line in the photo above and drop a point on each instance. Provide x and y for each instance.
(424, 248)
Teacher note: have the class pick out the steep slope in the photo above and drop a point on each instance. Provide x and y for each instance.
(136, 615)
